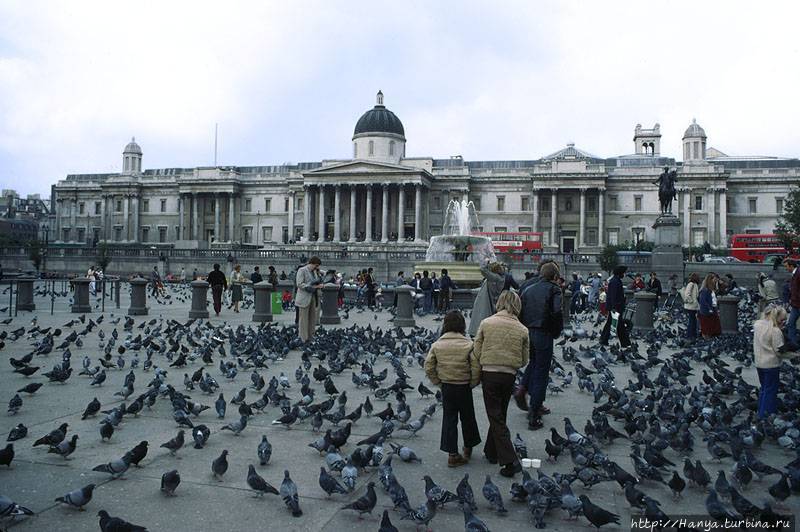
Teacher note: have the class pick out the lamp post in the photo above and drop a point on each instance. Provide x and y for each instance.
(46, 230)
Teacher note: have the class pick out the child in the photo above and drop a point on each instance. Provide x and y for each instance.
(286, 299)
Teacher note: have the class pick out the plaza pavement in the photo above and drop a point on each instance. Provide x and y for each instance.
(36, 478)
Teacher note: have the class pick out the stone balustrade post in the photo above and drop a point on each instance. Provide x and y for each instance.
(80, 301)
(138, 297)
(199, 302)
(25, 294)
(330, 307)
(645, 306)
(728, 313)
(262, 292)
(405, 307)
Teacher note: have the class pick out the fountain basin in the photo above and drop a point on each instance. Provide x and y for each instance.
(465, 274)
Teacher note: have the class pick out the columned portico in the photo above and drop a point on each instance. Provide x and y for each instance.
(553, 209)
(723, 217)
(321, 213)
(352, 226)
(337, 205)
(126, 218)
(196, 217)
(181, 201)
(535, 224)
(582, 231)
(385, 213)
(216, 218)
(368, 237)
(231, 218)
(401, 203)
(418, 212)
(601, 226)
(290, 221)
(306, 214)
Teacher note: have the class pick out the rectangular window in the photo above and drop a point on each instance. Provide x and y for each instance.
(613, 237)
(591, 237)
(500, 229)
(267, 233)
(95, 235)
(638, 234)
(247, 235)
(299, 204)
(753, 205)
(145, 234)
(698, 237)
(545, 204)
(162, 234)
(730, 205)
(525, 203)
(65, 237)
(80, 208)
(779, 205)
(163, 205)
(248, 205)
(409, 201)
(477, 203)
(119, 206)
(568, 203)
(145, 205)
(698, 203)
(501, 203)
(613, 203)
(637, 203)
(97, 208)
(286, 204)
(267, 204)
(591, 204)
(437, 203)
(118, 234)
(81, 235)
(524, 229)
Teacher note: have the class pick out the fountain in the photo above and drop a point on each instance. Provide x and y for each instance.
(457, 250)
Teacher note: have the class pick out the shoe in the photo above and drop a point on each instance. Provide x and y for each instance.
(519, 398)
(466, 452)
(489, 459)
(535, 424)
(543, 411)
(509, 470)
(456, 460)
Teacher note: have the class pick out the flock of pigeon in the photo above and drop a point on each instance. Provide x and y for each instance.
(687, 417)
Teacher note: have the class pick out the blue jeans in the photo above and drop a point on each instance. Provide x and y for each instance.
(768, 396)
(791, 324)
(538, 370)
(691, 327)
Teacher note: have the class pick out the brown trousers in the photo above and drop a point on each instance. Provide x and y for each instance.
(497, 390)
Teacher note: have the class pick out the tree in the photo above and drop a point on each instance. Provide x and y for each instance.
(788, 226)
(103, 256)
(608, 258)
(35, 254)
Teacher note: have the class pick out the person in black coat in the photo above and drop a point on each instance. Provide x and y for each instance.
(654, 287)
(255, 277)
(615, 302)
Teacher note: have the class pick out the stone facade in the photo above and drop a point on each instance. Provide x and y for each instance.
(578, 201)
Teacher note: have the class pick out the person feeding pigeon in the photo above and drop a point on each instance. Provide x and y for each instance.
(768, 349)
(615, 304)
(486, 299)
(452, 365)
(501, 348)
(307, 300)
(218, 283)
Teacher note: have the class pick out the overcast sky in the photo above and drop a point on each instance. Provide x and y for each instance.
(287, 81)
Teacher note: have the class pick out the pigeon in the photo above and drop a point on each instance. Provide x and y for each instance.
(465, 493)
(7, 455)
(106, 431)
(436, 493)
(595, 515)
(53, 438)
(31, 388)
(422, 515)
(117, 524)
(200, 435)
(115, 468)
(492, 494)
(365, 503)
(552, 450)
(237, 426)
(329, 484)
(9, 508)
(258, 484)
(264, 450)
(17, 433)
(220, 405)
(175, 443)
(138, 453)
(716, 509)
(676, 484)
(170, 481)
(406, 454)
(471, 522)
(386, 523)
(520, 447)
(220, 465)
(288, 493)
(65, 448)
(91, 409)
(79, 497)
(424, 391)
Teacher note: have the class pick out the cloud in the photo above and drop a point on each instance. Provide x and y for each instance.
(287, 81)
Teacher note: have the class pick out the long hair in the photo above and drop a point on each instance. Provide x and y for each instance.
(694, 278)
(710, 282)
(776, 314)
(509, 301)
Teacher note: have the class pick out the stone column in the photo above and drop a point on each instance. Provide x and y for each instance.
(712, 222)
(262, 292)
(25, 293)
(102, 220)
(353, 199)
(321, 213)
(535, 199)
(687, 217)
(645, 305)
(196, 217)
(290, 221)
(553, 207)
(59, 214)
(231, 218)
(417, 212)
(306, 214)
(368, 237)
(136, 218)
(330, 309)
(138, 297)
(401, 204)
(181, 200)
(601, 217)
(216, 218)
(405, 307)
(723, 217)
(729, 313)
(385, 213)
(337, 204)
(199, 303)
(73, 222)
(126, 217)
(80, 301)
(582, 227)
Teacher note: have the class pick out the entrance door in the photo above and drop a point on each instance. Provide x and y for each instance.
(567, 244)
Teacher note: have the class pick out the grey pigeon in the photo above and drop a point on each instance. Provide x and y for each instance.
(175, 443)
(220, 406)
(422, 515)
(264, 450)
(117, 524)
(258, 484)
(465, 493)
(7, 455)
(492, 494)
(220, 465)
(365, 503)
(17, 433)
(288, 492)
(9, 508)
(237, 426)
(406, 454)
(170, 481)
(349, 474)
(115, 468)
(14, 404)
(329, 484)
(386, 523)
(471, 522)
(78, 498)
(66, 447)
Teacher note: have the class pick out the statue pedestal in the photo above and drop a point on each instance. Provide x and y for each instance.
(667, 254)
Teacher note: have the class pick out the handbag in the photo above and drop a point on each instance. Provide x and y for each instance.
(614, 323)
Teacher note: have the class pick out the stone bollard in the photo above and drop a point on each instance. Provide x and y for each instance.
(330, 307)
(645, 305)
(138, 297)
(566, 304)
(25, 294)
(405, 307)
(199, 303)
(728, 313)
(80, 299)
(262, 292)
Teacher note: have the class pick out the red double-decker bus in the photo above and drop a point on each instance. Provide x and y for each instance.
(509, 242)
(755, 248)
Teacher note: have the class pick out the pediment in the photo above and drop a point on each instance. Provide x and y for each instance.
(362, 167)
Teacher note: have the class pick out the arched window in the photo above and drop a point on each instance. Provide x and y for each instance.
(391, 147)
(371, 147)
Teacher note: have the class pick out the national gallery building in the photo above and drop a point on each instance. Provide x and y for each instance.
(383, 197)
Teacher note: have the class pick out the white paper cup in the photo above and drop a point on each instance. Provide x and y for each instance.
(527, 462)
(535, 463)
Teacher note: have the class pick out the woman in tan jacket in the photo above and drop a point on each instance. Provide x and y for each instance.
(501, 348)
(451, 364)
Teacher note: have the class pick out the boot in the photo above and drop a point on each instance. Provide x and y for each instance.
(519, 398)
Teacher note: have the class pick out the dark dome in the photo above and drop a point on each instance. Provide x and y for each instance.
(379, 120)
